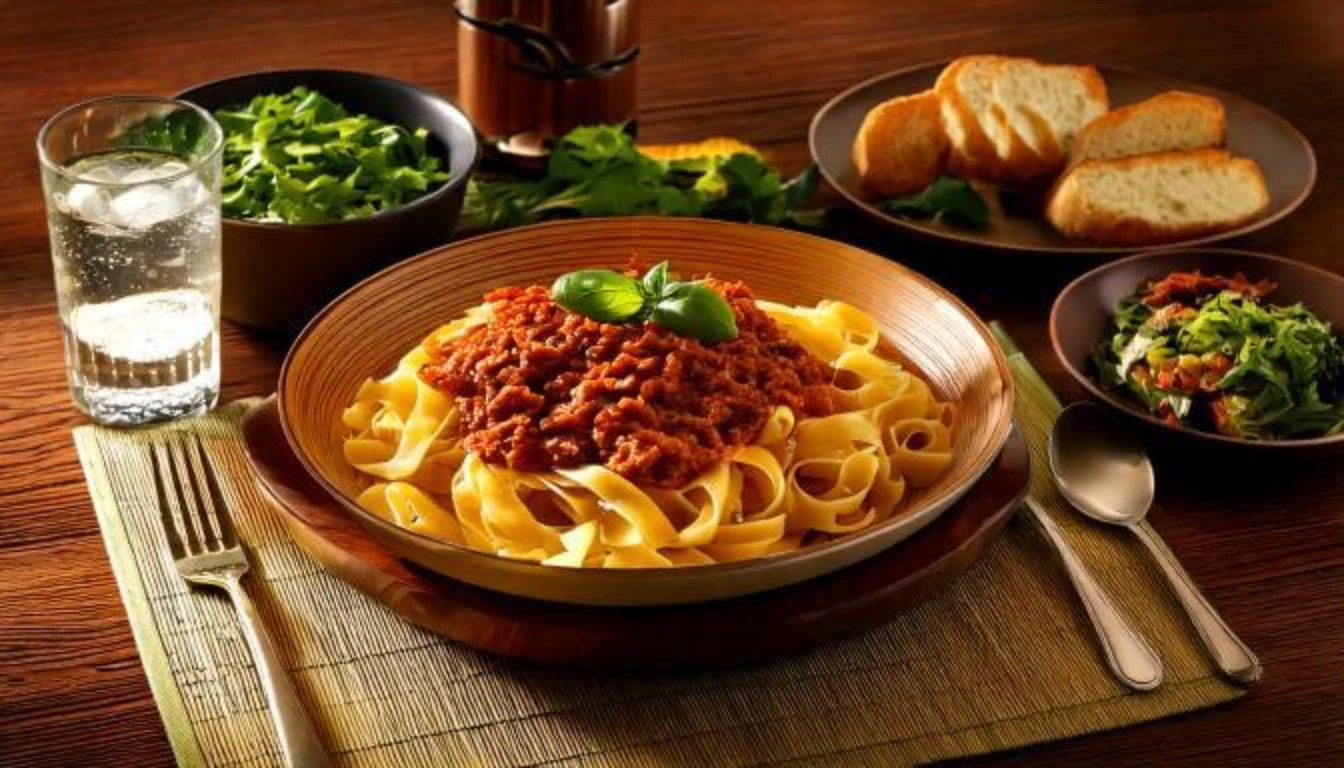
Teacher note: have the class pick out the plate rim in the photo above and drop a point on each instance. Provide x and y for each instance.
(919, 229)
(933, 509)
(1111, 399)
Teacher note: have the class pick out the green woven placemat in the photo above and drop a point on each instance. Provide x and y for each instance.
(1002, 658)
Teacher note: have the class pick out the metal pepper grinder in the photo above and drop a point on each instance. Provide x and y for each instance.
(532, 69)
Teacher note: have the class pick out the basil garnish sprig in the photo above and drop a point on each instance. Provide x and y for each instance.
(690, 309)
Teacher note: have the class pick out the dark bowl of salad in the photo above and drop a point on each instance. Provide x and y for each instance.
(329, 176)
(1226, 347)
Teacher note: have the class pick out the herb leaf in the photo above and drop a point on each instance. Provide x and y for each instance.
(686, 308)
(599, 171)
(182, 133)
(1254, 369)
(655, 280)
(947, 199)
(800, 188)
(695, 310)
(300, 157)
(600, 294)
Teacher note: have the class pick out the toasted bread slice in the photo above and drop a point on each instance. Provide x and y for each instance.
(1047, 105)
(1157, 198)
(1167, 122)
(902, 146)
(966, 87)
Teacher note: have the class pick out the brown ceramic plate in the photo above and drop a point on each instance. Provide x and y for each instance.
(1081, 317)
(1283, 153)
(366, 330)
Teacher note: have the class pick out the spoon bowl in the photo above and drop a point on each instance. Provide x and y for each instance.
(1100, 466)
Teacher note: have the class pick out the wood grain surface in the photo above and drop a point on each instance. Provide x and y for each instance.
(1268, 548)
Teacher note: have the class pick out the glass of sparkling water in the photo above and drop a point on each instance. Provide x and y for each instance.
(132, 193)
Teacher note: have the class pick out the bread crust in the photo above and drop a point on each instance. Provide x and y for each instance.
(901, 146)
(1074, 215)
(1173, 100)
(1025, 163)
(977, 157)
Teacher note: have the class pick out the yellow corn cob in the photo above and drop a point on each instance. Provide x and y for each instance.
(719, 146)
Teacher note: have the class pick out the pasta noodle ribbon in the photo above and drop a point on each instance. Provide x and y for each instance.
(802, 478)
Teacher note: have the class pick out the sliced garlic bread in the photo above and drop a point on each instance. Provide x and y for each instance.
(980, 141)
(1157, 198)
(1047, 105)
(902, 146)
(1170, 121)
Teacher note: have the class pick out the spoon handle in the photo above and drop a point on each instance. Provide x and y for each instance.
(1129, 656)
(1231, 655)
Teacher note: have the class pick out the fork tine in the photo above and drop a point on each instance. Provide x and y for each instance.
(228, 535)
(202, 503)
(209, 503)
(186, 500)
(165, 510)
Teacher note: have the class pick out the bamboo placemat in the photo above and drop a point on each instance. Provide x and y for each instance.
(1002, 658)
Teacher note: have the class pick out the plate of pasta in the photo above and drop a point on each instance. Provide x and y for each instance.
(644, 411)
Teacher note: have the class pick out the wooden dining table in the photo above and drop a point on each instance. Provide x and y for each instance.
(1265, 542)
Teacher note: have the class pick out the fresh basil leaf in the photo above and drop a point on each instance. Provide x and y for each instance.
(697, 311)
(655, 280)
(599, 294)
(947, 199)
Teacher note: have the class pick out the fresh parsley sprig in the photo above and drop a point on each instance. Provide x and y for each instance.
(947, 199)
(598, 171)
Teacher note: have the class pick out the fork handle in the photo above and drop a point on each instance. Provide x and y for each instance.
(1131, 659)
(298, 738)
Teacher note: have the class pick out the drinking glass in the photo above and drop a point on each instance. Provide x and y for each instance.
(133, 209)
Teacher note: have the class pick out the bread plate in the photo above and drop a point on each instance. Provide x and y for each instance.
(1281, 151)
(367, 329)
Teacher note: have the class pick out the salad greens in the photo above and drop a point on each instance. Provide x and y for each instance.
(686, 308)
(1207, 351)
(598, 171)
(301, 158)
(947, 199)
(182, 133)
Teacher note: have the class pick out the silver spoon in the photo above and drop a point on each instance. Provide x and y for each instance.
(1101, 468)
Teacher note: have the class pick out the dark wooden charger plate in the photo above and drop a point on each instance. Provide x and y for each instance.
(1283, 153)
(678, 636)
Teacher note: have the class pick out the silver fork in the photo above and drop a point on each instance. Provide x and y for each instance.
(205, 546)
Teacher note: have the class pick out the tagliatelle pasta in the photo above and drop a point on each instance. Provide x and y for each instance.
(801, 478)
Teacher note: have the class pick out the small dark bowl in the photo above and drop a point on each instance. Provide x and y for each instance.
(276, 276)
(1082, 315)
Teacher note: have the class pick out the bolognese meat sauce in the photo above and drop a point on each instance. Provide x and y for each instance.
(542, 388)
